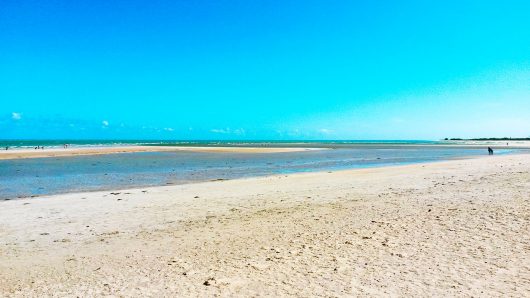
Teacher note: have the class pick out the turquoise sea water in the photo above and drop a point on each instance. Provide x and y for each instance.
(20, 144)
(45, 176)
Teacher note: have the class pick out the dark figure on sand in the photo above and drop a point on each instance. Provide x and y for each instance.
(490, 151)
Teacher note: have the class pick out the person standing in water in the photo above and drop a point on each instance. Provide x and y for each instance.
(490, 151)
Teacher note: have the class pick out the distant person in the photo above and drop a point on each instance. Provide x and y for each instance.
(7, 148)
(490, 151)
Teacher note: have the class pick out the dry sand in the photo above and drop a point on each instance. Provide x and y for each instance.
(59, 152)
(456, 228)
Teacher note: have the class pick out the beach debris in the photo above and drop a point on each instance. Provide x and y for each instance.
(114, 193)
(44, 234)
(209, 281)
(110, 233)
(196, 197)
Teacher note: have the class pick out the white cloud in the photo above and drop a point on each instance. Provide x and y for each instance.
(169, 129)
(105, 123)
(215, 130)
(237, 131)
(16, 116)
(325, 130)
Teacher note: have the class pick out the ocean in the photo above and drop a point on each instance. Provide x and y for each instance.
(46, 176)
(28, 144)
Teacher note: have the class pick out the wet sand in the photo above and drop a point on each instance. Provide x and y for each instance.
(61, 152)
(452, 228)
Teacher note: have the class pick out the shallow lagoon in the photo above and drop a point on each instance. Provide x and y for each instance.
(45, 176)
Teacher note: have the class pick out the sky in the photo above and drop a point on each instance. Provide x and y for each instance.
(262, 70)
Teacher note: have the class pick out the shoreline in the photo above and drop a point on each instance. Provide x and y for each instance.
(182, 183)
(101, 150)
(50, 152)
(456, 227)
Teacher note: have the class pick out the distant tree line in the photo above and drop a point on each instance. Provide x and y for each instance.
(488, 139)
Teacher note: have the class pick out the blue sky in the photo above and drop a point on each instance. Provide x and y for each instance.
(264, 69)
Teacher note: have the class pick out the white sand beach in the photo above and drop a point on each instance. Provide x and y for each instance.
(454, 228)
(96, 150)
